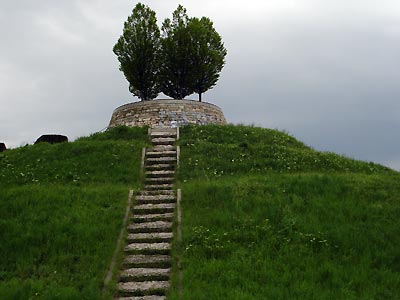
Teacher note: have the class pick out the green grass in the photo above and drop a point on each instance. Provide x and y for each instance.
(265, 217)
(61, 210)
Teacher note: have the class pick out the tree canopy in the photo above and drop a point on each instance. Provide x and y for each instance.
(138, 52)
(207, 55)
(176, 63)
(186, 58)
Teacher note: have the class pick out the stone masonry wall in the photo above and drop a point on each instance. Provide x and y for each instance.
(167, 113)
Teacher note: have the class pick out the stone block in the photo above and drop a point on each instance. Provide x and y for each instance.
(166, 113)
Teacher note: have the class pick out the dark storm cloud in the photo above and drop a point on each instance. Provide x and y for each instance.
(326, 71)
(334, 86)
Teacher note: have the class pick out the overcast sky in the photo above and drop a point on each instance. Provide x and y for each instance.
(326, 71)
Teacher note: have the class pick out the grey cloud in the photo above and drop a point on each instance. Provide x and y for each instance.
(327, 74)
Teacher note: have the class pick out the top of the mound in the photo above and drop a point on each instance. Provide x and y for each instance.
(232, 149)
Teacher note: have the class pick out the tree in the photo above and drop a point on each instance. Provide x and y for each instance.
(192, 55)
(138, 51)
(207, 55)
(175, 52)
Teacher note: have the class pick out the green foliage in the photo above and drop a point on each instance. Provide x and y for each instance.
(266, 217)
(187, 59)
(61, 210)
(138, 52)
(193, 55)
(208, 53)
(138, 134)
(102, 158)
(176, 55)
(291, 236)
(215, 151)
(57, 241)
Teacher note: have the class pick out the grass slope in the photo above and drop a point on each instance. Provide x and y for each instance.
(266, 217)
(61, 210)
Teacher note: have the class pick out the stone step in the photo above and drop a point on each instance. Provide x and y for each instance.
(158, 192)
(156, 226)
(156, 187)
(143, 288)
(163, 141)
(163, 167)
(160, 153)
(141, 260)
(144, 274)
(153, 297)
(161, 148)
(148, 248)
(159, 180)
(145, 209)
(155, 199)
(163, 129)
(153, 217)
(158, 160)
(154, 237)
(160, 173)
(171, 133)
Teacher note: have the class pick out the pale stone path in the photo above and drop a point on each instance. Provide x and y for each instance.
(146, 268)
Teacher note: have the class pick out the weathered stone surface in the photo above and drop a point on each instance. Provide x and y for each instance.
(155, 198)
(158, 187)
(159, 166)
(159, 180)
(150, 237)
(160, 153)
(52, 139)
(153, 297)
(148, 247)
(152, 259)
(157, 192)
(163, 141)
(153, 217)
(163, 133)
(167, 113)
(146, 268)
(147, 260)
(145, 274)
(156, 226)
(143, 287)
(160, 148)
(167, 159)
(153, 208)
(3, 147)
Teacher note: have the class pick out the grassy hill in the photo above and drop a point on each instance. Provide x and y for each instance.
(264, 217)
(61, 210)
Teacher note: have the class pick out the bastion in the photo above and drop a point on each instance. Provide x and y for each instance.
(167, 113)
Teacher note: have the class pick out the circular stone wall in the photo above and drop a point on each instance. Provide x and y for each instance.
(167, 113)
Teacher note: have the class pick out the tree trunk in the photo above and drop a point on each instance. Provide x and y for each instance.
(199, 97)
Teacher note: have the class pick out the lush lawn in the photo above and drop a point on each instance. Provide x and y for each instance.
(61, 210)
(57, 241)
(325, 228)
(264, 217)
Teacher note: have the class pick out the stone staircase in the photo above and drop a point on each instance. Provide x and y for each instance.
(146, 267)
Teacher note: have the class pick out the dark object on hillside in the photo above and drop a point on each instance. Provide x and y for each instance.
(3, 147)
(52, 139)
(244, 145)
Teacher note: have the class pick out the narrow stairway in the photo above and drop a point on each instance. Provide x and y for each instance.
(146, 268)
